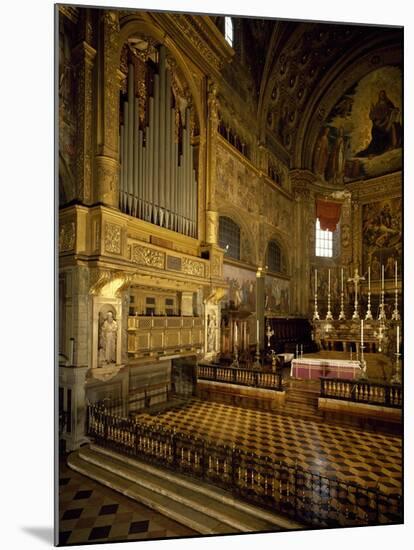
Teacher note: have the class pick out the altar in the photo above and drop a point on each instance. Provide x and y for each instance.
(311, 368)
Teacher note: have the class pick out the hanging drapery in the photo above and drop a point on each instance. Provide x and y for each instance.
(328, 213)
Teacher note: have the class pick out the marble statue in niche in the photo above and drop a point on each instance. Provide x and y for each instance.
(108, 340)
(211, 331)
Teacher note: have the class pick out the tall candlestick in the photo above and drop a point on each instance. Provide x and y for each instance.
(235, 334)
(395, 313)
(398, 338)
(362, 332)
(329, 313)
(257, 330)
(316, 314)
(368, 315)
(382, 316)
(342, 279)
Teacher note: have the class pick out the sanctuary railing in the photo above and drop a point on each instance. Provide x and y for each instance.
(303, 495)
(362, 391)
(241, 376)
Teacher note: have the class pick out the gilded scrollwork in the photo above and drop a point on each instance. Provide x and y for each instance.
(67, 233)
(112, 238)
(148, 256)
(185, 24)
(192, 267)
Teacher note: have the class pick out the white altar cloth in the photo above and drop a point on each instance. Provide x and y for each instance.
(331, 368)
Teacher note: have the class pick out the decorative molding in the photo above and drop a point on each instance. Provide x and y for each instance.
(192, 267)
(99, 278)
(147, 256)
(67, 234)
(216, 266)
(112, 238)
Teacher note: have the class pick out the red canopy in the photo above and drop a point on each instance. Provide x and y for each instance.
(328, 213)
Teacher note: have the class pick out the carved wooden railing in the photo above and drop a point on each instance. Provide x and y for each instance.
(359, 391)
(303, 495)
(240, 376)
(161, 334)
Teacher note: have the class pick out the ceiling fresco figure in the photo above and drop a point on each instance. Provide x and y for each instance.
(386, 128)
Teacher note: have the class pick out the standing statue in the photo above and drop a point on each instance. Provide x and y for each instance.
(336, 165)
(211, 332)
(109, 331)
(321, 153)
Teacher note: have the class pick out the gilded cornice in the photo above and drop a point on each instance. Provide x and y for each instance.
(71, 12)
(199, 38)
(387, 186)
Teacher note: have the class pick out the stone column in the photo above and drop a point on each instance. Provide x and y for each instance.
(78, 325)
(212, 125)
(301, 254)
(109, 79)
(73, 379)
(260, 298)
(84, 56)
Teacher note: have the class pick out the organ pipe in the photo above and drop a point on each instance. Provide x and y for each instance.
(155, 183)
(136, 167)
(157, 177)
(130, 169)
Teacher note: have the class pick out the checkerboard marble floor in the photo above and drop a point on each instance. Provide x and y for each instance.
(91, 512)
(367, 458)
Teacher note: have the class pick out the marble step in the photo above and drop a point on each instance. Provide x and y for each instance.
(204, 508)
(182, 514)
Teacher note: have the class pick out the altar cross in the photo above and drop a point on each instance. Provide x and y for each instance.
(356, 279)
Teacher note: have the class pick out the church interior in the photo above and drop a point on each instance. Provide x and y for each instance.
(230, 275)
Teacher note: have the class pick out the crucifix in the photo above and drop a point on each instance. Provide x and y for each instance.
(356, 279)
(269, 334)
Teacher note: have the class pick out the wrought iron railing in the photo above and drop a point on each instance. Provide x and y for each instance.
(241, 376)
(303, 495)
(360, 391)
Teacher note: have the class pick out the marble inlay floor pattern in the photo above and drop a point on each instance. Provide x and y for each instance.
(91, 512)
(366, 458)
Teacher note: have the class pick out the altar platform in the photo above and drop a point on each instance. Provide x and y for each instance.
(379, 366)
(313, 368)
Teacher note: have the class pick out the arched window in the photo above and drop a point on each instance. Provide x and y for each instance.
(274, 257)
(228, 30)
(229, 237)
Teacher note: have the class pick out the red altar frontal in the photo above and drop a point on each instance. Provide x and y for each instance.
(311, 369)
